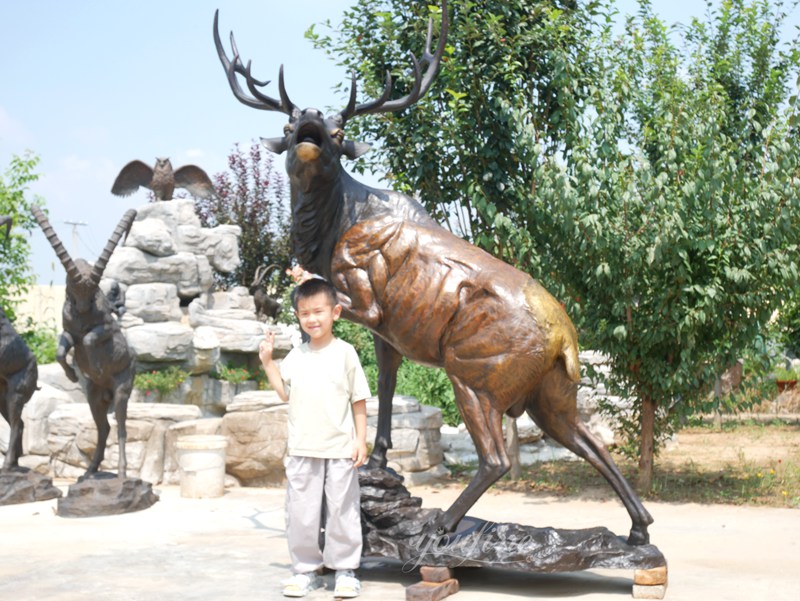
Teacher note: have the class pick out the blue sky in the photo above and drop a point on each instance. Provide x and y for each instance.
(90, 85)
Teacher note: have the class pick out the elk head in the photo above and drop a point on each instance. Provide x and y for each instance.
(83, 279)
(315, 143)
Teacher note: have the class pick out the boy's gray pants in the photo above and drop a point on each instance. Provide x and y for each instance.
(313, 481)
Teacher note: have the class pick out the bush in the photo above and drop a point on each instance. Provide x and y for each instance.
(163, 381)
(42, 341)
(234, 375)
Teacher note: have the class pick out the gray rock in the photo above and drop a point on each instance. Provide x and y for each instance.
(256, 445)
(163, 341)
(153, 302)
(152, 236)
(400, 404)
(53, 375)
(190, 273)
(105, 494)
(235, 332)
(177, 212)
(23, 486)
(36, 416)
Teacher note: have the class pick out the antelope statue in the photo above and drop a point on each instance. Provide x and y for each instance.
(266, 306)
(18, 376)
(92, 332)
(506, 344)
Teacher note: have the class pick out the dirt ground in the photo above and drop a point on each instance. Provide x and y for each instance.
(713, 449)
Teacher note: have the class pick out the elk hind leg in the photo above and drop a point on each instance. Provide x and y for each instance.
(554, 409)
(485, 425)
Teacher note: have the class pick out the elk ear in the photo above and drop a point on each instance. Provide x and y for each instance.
(276, 145)
(353, 150)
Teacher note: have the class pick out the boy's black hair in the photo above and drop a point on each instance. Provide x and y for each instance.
(311, 288)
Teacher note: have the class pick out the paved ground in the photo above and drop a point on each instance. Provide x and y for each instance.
(234, 548)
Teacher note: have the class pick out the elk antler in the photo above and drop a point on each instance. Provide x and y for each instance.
(258, 100)
(122, 229)
(72, 270)
(422, 82)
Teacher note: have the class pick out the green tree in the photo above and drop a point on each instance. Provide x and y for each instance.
(254, 196)
(649, 179)
(673, 225)
(456, 149)
(15, 270)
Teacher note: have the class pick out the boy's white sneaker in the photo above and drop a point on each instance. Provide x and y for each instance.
(299, 585)
(347, 585)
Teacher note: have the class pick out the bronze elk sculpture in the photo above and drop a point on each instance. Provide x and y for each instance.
(506, 344)
(18, 376)
(92, 333)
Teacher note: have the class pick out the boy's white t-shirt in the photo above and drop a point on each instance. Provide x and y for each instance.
(322, 385)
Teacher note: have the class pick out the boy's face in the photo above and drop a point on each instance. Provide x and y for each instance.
(316, 315)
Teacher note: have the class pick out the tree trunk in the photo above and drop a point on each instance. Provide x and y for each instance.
(647, 440)
(512, 447)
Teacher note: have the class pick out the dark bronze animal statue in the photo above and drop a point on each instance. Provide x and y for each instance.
(92, 333)
(18, 376)
(266, 306)
(506, 344)
(162, 180)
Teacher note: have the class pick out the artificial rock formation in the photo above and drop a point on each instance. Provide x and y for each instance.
(172, 315)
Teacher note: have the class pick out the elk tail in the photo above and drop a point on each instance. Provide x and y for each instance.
(569, 353)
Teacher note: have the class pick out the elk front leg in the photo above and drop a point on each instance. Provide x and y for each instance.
(65, 344)
(388, 363)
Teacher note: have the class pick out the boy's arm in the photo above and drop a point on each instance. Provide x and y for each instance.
(360, 445)
(265, 349)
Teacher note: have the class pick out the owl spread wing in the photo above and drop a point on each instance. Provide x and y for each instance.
(132, 175)
(195, 181)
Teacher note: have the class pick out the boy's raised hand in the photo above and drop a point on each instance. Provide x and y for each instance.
(266, 346)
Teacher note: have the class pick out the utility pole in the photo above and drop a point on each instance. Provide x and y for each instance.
(75, 236)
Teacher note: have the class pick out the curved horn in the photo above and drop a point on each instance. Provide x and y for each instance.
(266, 269)
(258, 275)
(122, 229)
(5, 220)
(52, 238)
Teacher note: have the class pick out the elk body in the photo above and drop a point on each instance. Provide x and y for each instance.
(506, 344)
(92, 333)
(18, 376)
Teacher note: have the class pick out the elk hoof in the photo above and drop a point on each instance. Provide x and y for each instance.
(639, 536)
(377, 461)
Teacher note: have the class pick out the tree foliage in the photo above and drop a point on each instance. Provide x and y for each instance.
(15, 270)
(648, 179)
(456, 149)
(254, 196)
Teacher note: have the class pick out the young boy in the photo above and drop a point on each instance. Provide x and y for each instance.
(326, 388)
